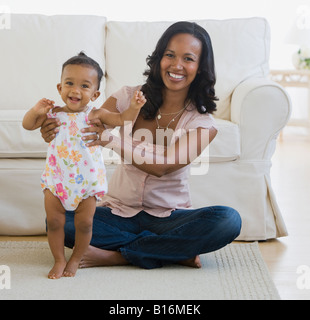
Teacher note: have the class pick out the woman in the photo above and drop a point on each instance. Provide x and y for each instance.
(146, 219)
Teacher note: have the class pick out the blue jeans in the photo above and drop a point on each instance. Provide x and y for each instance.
(150, 242)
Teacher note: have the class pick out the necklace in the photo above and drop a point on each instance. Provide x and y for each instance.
(160, 114)
(178, 113)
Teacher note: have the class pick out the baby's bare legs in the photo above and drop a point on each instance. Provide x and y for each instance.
(55, 216)
(83, 221)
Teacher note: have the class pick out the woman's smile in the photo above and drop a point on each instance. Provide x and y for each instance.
(176, 76)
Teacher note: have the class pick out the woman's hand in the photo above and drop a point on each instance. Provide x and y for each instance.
(93, 133)
(49, 129)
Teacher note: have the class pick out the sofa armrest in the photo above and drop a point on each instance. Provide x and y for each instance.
(261, 108)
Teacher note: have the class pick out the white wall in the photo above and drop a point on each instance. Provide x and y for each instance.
(279, 13)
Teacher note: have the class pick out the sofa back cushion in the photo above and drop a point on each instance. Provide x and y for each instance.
(33, 50)
(35, 47)
(241, 50)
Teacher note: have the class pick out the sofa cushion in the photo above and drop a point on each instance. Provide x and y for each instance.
(241, 50)
(16, 142)
(34, 49)
(226, 145)
(22, 201)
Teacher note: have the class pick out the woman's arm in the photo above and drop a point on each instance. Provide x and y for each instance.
(185, 150)
(178, 155)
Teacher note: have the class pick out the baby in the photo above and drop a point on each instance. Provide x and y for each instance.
(74, 175)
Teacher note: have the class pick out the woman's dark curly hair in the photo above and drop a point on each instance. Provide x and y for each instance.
(201, 92)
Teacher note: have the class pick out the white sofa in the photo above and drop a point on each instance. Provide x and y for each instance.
(252, 110)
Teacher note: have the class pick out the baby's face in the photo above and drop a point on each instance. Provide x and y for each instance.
(78, 86)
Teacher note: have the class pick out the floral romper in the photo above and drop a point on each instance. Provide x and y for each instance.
(73, 172)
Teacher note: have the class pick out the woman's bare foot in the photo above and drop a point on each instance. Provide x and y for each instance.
(95, 257)
(194, 262)
(58, 269)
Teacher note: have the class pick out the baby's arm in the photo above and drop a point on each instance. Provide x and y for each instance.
(117, 119)
(136, 103)
(35, 117)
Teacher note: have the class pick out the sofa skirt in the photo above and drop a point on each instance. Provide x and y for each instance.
(246, 187)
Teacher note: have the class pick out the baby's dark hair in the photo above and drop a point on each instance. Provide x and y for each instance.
(83, 59)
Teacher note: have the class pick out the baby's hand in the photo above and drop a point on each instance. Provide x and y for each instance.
(43, 106)
(138, 100)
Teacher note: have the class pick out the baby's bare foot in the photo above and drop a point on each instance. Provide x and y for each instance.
(58, 269)
(71, 268)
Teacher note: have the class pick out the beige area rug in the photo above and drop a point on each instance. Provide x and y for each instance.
(234, 272)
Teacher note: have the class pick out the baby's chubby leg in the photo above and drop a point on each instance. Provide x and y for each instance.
(83, 221)
(56, 218)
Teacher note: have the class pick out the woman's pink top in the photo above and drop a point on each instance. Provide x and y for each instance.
(131, 190)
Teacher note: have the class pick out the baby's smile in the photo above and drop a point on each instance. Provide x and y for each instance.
(74, 99)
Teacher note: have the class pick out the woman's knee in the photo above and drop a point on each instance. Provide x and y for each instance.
(231, 220)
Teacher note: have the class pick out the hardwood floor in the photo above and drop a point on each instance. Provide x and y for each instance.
(290, 176)
(291, 183)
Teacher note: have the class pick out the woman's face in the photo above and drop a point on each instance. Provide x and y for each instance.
(180, 62)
